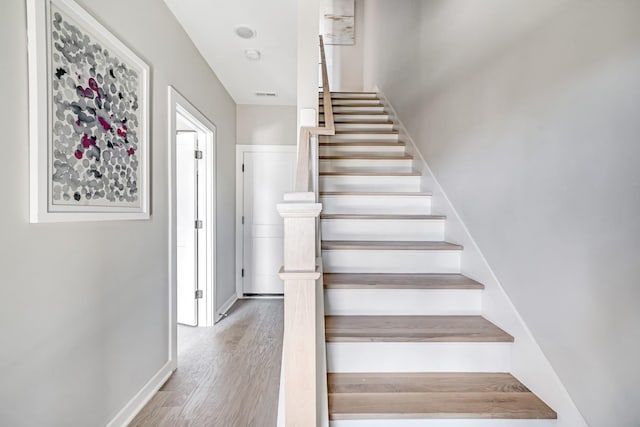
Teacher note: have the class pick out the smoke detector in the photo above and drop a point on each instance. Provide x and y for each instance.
(252, 54)
(245, 32)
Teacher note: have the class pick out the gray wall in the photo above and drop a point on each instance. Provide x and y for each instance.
(84, 307)
(529, 115)
(266, 124)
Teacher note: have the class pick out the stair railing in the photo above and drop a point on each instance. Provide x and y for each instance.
(304, 357)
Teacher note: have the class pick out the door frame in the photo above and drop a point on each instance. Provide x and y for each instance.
(179, 104)
(240, 151)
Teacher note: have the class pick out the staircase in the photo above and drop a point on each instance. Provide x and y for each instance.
(406, 342)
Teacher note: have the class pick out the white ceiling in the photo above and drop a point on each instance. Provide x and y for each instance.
(211, 25)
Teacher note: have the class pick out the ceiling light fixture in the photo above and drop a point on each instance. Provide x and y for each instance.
(245, 32)
(252, 54)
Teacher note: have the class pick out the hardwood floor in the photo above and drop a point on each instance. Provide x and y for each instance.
(228, 375)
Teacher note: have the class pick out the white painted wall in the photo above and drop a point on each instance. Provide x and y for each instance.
(84, 307)
(527, 114)
(344, 62)
(266, 125)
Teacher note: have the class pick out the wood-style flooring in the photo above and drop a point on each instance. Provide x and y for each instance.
(228, 375)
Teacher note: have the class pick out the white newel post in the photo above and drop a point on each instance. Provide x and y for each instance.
(300, 273)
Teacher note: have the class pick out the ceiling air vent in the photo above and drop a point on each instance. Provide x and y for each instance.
(269, 94)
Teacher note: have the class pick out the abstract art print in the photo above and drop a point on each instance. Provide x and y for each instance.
(88, 119)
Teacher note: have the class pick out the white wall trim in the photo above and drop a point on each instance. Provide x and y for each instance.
(226, 307)
(135, 405)
(240, 150)
(529, 363)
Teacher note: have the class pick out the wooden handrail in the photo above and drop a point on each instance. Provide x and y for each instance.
(303, 163)
(304, 353)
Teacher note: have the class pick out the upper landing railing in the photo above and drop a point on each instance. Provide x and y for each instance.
(306, 167)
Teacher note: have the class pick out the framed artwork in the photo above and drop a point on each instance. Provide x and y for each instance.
(338, 22)
(88, 119)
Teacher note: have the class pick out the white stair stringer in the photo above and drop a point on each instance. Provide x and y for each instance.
(418, 356)
(403, 302)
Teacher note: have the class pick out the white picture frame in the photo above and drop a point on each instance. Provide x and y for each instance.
(88, 119)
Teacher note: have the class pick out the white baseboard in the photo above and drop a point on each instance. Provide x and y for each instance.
(135, 405)
(225, 307)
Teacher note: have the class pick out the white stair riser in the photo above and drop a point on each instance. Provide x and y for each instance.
(338, 118)
(372, 149)
(382, 230)
(390, 165)
(418, 357)
(391, 261)
(403, 302)
(434, 422)
(363, 95)
(364, 126)
(369, 183)
(350, 204)
(357, 137)
(355, 109)
(344, 101)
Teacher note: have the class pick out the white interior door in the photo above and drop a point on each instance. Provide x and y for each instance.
(267, 176)
(187, 239)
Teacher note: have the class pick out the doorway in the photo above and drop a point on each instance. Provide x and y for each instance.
(190, 212)
(265, 174)
(192, 216)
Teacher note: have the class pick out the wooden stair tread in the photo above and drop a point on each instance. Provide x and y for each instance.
(370, 173)
(335, 99)
(353, 91)
(363, 113)
(335, 104)
(368, 157)
(363, 122)
(432, 395)
(362, 143)
(424, 382)
(367, 132)
(398, 281)
(377, 193)
(382, 217)
(413, 329)
(389, 245)
(348, 92)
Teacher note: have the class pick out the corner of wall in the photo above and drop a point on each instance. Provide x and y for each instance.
(529, 364)
(135, 405)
